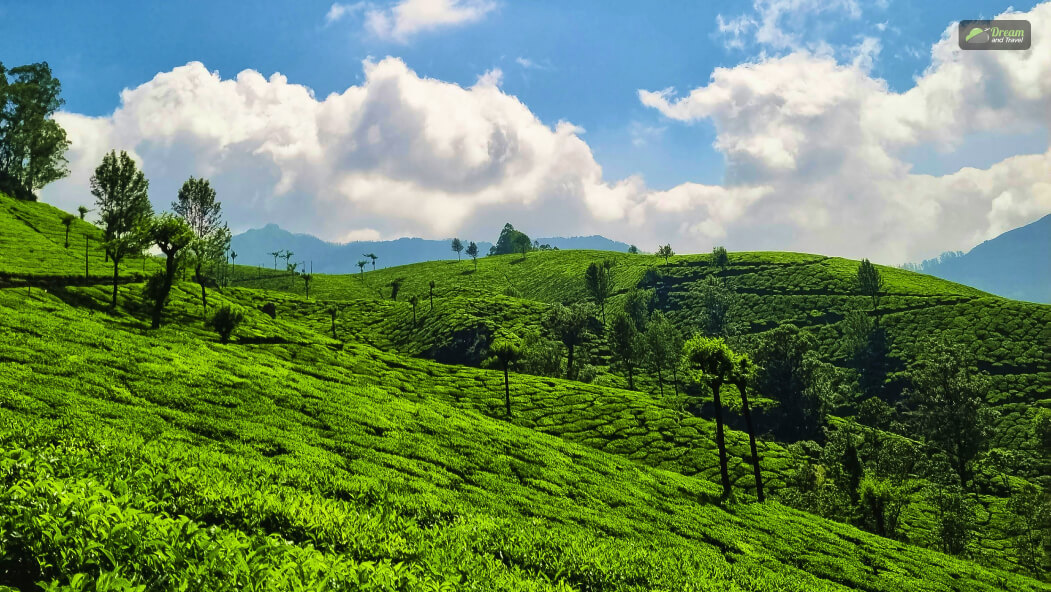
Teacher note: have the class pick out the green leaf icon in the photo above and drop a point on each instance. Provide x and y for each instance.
(973, 33)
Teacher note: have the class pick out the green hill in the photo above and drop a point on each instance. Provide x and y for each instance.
(291, 460)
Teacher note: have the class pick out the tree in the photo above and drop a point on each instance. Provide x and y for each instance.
(472, 252)
(637, 305)
(414, 300)
(233, 263)
(719, 304)
(361, 268)
(83, 211)
(395, 287)
(505, 353)
(720, 258)
(880, 503)
(666, 252)
(373, 257)
(742, 374)
(172, 236)
(226, 321)
(276, 255)
(287, 255)
(572, 326)
(633, 250)
(457, 246)
(333, 312)
(791, 373)
(598, 279)
(947, 400)
(430, 292)
(663, 344)
(307, 278)
(32, 144)
(196, 204)
(626, 344)
(870, 283)
(510, 241)
(67, 221)
(121, 193)
(291, 269)
(710, 361)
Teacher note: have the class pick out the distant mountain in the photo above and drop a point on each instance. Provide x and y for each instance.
(253, 247)
(1016, 264)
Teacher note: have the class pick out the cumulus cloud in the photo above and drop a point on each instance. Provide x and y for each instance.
(781, 24)
(828, 139)
(398, 155)
(407, 18)
(337, 11)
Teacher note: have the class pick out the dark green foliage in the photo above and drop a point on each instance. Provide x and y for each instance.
(633, 250)
(307, 278)
(954, 517)
(663, 344)
(82, 211)
(413, 301)
(457, 247)
(511, 241)
(870, 283)
(120, 191)
(430, 292)
(32, 144)
(373, 257)
(791, 373)
(947, 403)
(665, 252)
(225, 322)
(598, 280)
(627, 344)
(269, 309)
(472, 252)
(880, 504)
(638, 304)
(720, 258)
(540, 356)
(395, 287)
(572, 325)
(1042, 428)
(720, 306)
(361, 268)
(197, 204)
(67, 221)
(506, 353)
(709, 361)
(172, 236)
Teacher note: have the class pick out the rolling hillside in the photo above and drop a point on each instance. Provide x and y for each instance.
(292, 457)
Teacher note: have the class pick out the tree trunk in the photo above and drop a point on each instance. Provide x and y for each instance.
(569, 364)
(507, 392)
(660, 381)
(86, 268)
(720, 440)
(67, 237)
(751, 441)
(631, 378)
(115, 278)
(675, 379)
(169, 278)
(204, 292)
(432, 300)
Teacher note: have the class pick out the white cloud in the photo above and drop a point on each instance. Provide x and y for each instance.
(396, 155)
(362, 234)
(828, 140)
(337, 11)
(407, 18)
(527, 63)
(491, 78)
(782, 24)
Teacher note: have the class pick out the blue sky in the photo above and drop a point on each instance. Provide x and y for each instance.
(582, 62)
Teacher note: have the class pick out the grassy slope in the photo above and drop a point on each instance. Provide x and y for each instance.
(348, 457)
(627, 423)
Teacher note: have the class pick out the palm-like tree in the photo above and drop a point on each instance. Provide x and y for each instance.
(233, 259)
(361, 268)
(67, 221)
(710, 361)
(373, 257)
(431, 293)
(414, 300)
(276, 255)
(83, 211)
(743, 373)
(505, 353)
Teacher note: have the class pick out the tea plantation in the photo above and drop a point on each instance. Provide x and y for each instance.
(295, 459)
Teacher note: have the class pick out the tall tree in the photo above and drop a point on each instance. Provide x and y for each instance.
(665, 252)
(83, 211)
(373, 257)
(361, 268)
(287, 256)
(505, 353)
(233, 264)
(395, 287)
(743, 373)
(457, 246)
(947, 400)
(196, 204)
(414, 300)
(637, 305)
(625, 342)
(663, 346)
(121, 193)
(572, 325)
(276, 255)
(307, 278)
(472, 252)
(32, 144)
(172, 236)
(870, 283)
(719, 302)
(67, 221)
(598, 279)
(633, 250)
(510, 241)
(791, 373)
(708, 360)
(430, 292)
(521, 244)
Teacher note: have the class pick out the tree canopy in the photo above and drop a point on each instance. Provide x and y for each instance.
(32, 144)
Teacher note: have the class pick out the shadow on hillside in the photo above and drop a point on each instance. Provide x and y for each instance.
(467, 272)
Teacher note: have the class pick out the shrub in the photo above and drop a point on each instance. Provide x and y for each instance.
(269, 309)
(225, 321)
